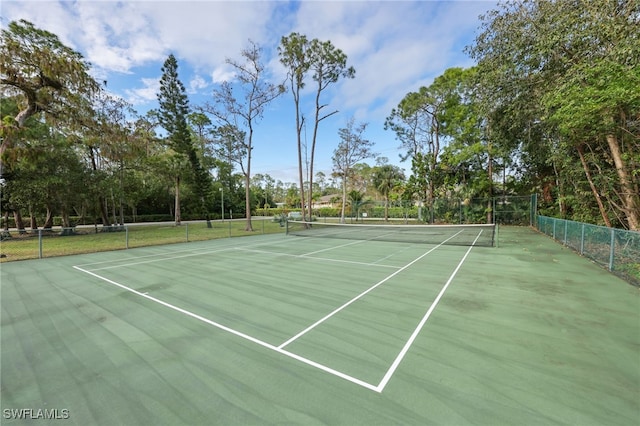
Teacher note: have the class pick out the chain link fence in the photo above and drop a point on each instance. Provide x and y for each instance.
(505, 210)
(42, 243)
(616, 249)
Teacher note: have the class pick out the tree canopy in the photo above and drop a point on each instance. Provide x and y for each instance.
(566, 73)
(552, 107)
(46, 75)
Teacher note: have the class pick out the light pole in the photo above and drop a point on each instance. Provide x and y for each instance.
(222, 198)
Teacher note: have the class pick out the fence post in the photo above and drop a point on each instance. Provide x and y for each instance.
(533, 209)
(186, 231)
(39, 243)
(582, 241)
(126, 237)
(613, 244)
(566, 224)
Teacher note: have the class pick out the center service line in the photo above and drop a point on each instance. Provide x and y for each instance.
(407, 345)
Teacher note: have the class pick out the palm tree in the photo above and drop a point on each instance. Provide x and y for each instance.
(385, 179)
(356, 201)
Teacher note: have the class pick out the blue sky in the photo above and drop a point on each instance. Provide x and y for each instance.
(395, 46)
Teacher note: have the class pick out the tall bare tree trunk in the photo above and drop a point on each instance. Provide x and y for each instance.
(490, 211)
(629, 193)
(594, 190)
(386, 208)
(48, 220)
(178, 219)
(344, 198)
(32, 219)
(17, 217)
(300, 167)
(247, 182)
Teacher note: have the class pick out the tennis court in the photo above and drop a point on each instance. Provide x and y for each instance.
(359, 327)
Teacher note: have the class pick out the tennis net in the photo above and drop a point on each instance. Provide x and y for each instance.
(463, 235)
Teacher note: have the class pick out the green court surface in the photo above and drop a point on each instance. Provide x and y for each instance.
(275, 329)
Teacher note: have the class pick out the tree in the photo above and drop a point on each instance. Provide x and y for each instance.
(203, 130)
(385, 178)
(43, 76)
(113, 138)
(173, 114)
(47, 76)
(293, 55)
(356, 201)
(327, 65)
(571, 67)
(352, 149)
(43, 172)
(238, 117)
(417, 122)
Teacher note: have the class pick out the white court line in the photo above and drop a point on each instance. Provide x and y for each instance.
(379, 283)
(347, 244)
(334, 247)
(407, 345)
(163, 259)
(235, 332)
(392, 254)
(319, 259)
(144, 257)
(201, 252)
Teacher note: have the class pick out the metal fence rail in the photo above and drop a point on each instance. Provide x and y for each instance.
(616, 249)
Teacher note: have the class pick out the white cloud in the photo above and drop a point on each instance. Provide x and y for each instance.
(196, 84)
(396, 47)
(205, 33)
(147, 93)
(222, 73)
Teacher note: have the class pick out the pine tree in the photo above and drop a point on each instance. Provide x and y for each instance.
(174, 110)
